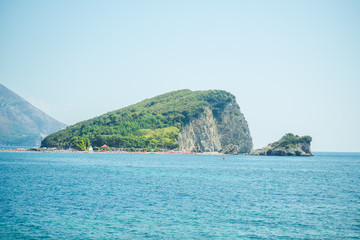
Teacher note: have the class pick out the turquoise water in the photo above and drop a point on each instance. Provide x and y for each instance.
(144, 196)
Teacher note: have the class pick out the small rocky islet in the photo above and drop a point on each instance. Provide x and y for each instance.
(288, 145)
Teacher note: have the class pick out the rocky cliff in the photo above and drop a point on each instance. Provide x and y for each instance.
(289, 145)
(209, 134)
(200, 121)
(200, 134)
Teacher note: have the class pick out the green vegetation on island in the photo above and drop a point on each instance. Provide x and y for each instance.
(290, 140)
(152, 123)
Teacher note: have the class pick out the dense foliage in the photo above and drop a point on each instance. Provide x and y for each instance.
(154, 122)
(289, 140)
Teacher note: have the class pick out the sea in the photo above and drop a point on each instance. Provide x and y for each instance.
(161, 196)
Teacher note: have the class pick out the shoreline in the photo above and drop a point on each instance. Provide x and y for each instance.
(113, 152)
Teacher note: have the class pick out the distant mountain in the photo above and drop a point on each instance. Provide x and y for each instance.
(201, 121)
(22, 124)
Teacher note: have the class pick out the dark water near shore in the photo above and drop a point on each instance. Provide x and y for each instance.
(141, 196)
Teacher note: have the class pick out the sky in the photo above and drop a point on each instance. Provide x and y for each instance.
(294, 66)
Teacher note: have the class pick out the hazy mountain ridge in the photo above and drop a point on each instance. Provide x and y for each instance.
(201, 121)
(21, 123)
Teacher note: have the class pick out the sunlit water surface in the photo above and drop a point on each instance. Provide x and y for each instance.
(148, 196)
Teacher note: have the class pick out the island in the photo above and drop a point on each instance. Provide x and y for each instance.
(184, 120)
(288, 145)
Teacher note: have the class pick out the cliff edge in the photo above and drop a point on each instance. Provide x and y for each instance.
(209, 133)
(288, 145)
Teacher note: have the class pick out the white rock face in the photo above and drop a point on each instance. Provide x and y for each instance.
(209, 133)
(201, 134)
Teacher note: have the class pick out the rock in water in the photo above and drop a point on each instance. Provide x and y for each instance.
(230, 149)
(199, 121)
(288, 145)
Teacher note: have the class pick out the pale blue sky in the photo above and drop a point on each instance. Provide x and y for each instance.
(294, 66)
